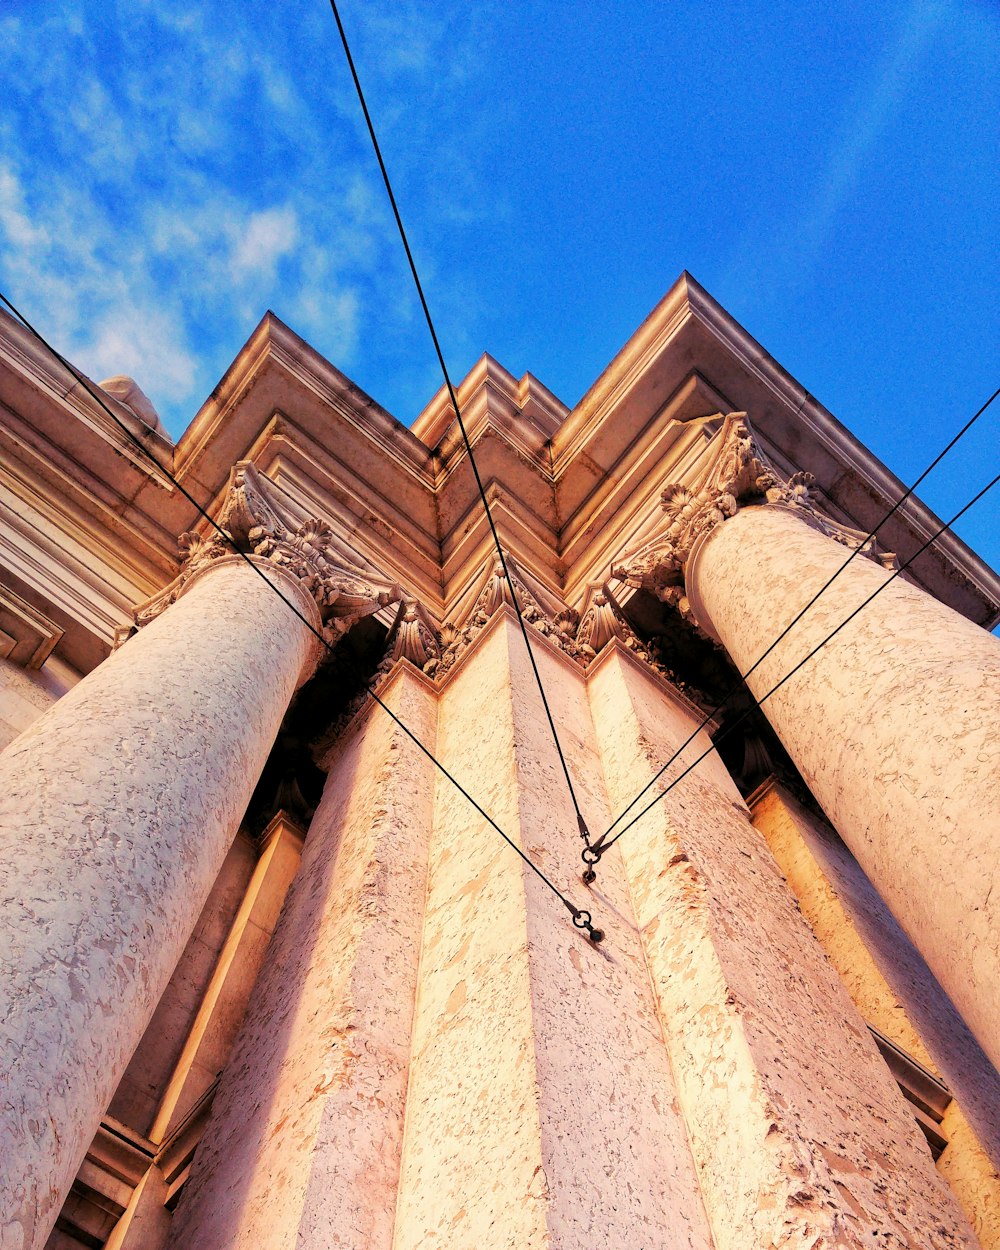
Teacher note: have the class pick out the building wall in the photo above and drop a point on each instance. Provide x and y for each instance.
(895, 991)
(429, 1052)
(26, 693)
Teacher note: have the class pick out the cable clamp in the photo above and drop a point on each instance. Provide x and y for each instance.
(582, 920)
(590, 857)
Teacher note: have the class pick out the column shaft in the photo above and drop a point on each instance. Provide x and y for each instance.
(116, 810)
(893, 725)
(801, 1137)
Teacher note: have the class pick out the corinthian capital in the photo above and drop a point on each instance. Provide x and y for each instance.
(256, 523)
(737, 476)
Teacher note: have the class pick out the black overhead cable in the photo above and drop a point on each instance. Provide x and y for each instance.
(602, 840)
(581, 919)
(933, 538)
(581, 823)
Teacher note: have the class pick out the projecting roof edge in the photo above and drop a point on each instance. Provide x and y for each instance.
(273, 340)
(57, 388)
(687, 304)
(844, 446)
(489, 394)
(616, 378)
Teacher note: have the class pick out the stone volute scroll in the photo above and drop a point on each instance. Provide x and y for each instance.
(739, 475)
(257, 524)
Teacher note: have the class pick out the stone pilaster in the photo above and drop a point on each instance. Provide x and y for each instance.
(304, 1143)
(213, 1032)
(541, 1109)
(893, 724)
(800, 1135)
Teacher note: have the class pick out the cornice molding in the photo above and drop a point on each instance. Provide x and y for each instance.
(27, 636)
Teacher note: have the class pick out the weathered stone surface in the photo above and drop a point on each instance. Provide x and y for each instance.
(972, 1174)
(893, 725)
(116, 810)
(137, 1099)
(895, 991)
(25, 694)
(799, 1132)
(219, 1013)
(304, 1142)
(541, 1110)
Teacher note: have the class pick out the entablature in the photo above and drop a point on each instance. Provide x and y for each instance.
(570, 490)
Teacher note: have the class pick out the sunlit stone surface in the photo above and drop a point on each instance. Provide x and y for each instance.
(271, 981)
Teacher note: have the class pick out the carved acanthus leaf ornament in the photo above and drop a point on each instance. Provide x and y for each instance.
(603, 620)
(413, 637)
(256, 525)
(738, 476)
(558, 624)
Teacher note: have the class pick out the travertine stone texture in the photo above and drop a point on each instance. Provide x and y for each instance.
(972, 1175)
(26, 693)
(541, 1110)
(799, 1132)
(141, 1091)
(893, 725)
(303, 1146)
(220, 1011)
(117, 808)
(895, 991)
(145, 1224)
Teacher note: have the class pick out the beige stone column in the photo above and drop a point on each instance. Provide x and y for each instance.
(895, 991)
(541, 1110)
(303, 1146)
(893, 725)
(799, 1132)
(116, 809)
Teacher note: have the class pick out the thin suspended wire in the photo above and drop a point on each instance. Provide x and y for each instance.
(902, 568)
(798, 617)
(584, 832)
(581, 918)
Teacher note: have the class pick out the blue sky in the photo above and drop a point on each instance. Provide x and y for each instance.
(828, 171)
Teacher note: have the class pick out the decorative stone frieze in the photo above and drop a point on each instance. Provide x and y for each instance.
(255, 523)
(556, 622)
(739, 475)
(602, 620)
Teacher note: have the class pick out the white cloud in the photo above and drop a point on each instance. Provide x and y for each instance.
(171, 175)
(262, 240)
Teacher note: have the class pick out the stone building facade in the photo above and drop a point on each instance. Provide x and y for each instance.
(272, 981)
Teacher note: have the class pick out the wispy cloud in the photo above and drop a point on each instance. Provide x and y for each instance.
(869, 118)
(167, 177)
(852, 138)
